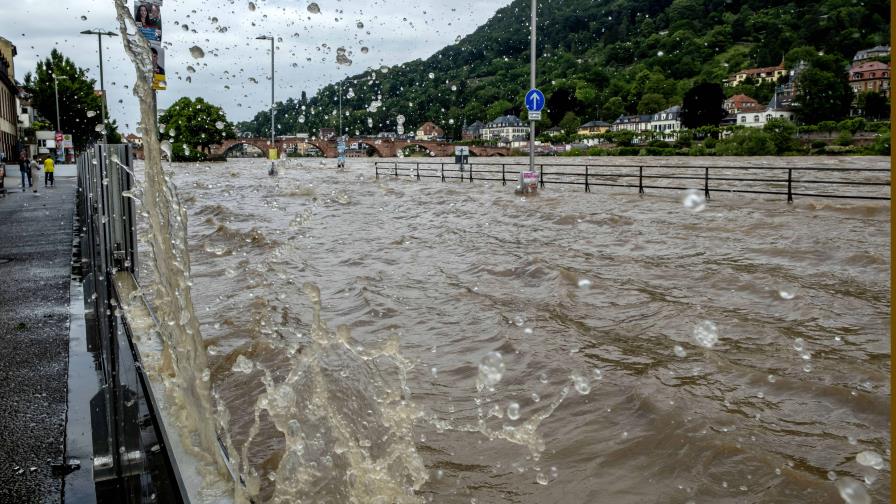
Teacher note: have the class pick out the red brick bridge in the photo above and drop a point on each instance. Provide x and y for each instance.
(379, 147)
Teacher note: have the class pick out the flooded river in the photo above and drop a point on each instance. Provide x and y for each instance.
(608, 384)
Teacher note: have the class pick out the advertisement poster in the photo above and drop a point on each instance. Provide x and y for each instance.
(148, 15)
(158, 63)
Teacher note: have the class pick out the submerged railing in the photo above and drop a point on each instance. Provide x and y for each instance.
(128, 457)
(789, 181)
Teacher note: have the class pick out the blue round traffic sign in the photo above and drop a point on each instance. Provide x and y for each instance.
(535, 101)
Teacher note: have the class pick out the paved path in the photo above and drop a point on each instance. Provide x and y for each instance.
(35, 267)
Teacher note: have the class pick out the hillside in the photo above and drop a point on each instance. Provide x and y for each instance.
(597, 59)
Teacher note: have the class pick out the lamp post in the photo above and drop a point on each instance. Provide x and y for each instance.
(99, 37)
(58, 118)
(532, 86)
(272, 171)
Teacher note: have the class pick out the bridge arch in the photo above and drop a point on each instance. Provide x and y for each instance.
(419, 145)
(228, 148)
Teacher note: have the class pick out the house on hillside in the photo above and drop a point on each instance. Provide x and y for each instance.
(870, 76)
(636, 123)
(874, 52)
(554, 132)
(473, 131)
(429, 131)
(508, 128)
(758, 119)
(741, 103)
(764, 74)
(593, 128)
(326, 133)
(667, 123)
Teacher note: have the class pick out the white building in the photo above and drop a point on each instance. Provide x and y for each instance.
(667, 123)
(636, 123)
(505, 128)
(758, 119)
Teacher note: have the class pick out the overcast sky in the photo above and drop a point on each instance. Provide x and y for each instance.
(394, 31)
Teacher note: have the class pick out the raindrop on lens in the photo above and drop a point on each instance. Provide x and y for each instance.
(584, 283)
(706, 334)
(541, 479)
(694, 201)
(197, 52)
(679, 351)
(491, 369)
(852, 491)
(870, 459)
(582, 385)
(313, 8)
(513, 411)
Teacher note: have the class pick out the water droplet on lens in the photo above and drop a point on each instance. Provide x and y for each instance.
(541, 479)
(491, 369)
(679, 351)
(799, 344)
(584, 283)
(313, 8)
(870, 459)
(513, 411)
(706, 334)
(252, 6)
(832, 475)
(197, 52)
(694, 201)
(786, 294)
(582, 385)
(852, 491)
(219, 125)
(432, 75)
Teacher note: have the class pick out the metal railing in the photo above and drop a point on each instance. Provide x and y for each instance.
(789, 181)
(131, 457)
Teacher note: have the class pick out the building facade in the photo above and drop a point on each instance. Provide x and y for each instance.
(764, 74)
(9, 109)
(667, 123)
(473, 131)
(758, 119)
(507, 128)
(636, 123)
(429, 131)
(870, 76)
(741, 103)
(874, 52)
(593, 128)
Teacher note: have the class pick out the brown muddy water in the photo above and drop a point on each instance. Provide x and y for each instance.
(587, 295)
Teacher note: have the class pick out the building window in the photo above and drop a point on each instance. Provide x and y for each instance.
(756, 118)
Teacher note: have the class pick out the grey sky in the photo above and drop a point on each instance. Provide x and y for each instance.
(395, 31)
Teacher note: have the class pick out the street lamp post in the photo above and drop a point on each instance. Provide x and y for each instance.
(58, 117)
(99, 37)
(532, 86)
(272, 171)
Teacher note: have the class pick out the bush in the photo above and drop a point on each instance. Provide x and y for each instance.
(839, 149)
(853, 125)
(747, 142)
(881, 145)
(628, 151)
(710, 143)
(819, 144)
(662, 144)
(844, 139)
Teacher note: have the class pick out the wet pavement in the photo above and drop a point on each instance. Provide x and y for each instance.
(35, 267)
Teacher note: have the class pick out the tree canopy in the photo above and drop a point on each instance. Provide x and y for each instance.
(79, 106)
(192, 127)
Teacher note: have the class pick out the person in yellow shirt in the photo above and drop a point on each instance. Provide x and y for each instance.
(49, 168)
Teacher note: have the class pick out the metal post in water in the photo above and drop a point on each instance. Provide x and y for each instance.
(706, 183)
(789, 185)
(272, 171)
(532, 86)
(640, 180)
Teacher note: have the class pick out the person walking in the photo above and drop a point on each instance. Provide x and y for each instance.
(24, 170)
(49, 168)
(35, 174)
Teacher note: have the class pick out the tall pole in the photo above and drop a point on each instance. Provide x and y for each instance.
(99, 38)
(532, 86)
(56, 89)
(340, 109)
(273, 141)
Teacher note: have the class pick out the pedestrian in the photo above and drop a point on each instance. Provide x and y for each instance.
(49, 168)
(35, 174)
(23, 169)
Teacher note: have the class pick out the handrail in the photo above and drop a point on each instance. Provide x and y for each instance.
(708, 178)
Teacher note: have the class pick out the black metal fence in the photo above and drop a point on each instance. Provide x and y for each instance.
(789, 181)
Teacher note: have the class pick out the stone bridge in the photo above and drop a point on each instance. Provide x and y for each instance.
(380, 147)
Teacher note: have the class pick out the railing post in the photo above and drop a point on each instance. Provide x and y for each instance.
(587, 187)
(640, 180)
(706, 183)
(503, 178)
(443, 172)
(396, 169)
(541, 176)
(377, 168)
(418, 171)
(789, 185)
(471, 173)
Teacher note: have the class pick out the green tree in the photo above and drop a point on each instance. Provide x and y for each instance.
(824, 92)
(747, 142)
(874, 105)
(193, 127)
(612, 109)
(79, 106)
(498, 108)
(702, 106)
(651, 103)
(783, 134)
(570, 123)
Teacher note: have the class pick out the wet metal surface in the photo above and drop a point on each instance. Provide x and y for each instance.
(36, 235)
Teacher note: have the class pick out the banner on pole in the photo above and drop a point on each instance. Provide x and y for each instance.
(159, 81)
(148, 15)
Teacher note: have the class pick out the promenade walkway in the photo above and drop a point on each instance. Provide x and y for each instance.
(35, 268)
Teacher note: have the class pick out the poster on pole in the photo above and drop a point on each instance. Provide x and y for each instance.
(148, 15)
(159, 82)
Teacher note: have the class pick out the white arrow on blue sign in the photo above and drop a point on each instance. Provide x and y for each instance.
(535, 100)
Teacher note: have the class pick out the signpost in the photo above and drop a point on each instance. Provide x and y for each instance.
(535, 102)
